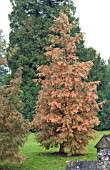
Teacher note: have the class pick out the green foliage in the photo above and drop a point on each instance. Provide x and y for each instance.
(104, 115)
(3, 70)
(99, 72)
(13, 128)
(30, 22)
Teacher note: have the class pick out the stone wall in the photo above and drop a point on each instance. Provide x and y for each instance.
(102, 163)
(81, 165)
(103, 159)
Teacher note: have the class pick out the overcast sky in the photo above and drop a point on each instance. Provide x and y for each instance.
(94, 21)
(5, 9)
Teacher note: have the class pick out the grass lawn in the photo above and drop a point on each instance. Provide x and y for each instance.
(37, 158)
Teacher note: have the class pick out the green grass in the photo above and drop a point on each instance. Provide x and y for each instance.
(37, 158)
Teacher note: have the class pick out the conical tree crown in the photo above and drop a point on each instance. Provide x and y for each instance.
(66, 107)
(13, 128)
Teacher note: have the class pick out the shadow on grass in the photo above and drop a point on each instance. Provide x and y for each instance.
(59, 154)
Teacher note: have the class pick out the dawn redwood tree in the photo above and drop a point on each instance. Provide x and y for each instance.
(13, 128)
(66, 107)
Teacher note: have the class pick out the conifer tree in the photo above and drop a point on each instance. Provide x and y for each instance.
(13, 128)
(30, 21)
(99, 72)
(66, 107)
(104, 114)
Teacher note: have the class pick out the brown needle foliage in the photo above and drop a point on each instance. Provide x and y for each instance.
(66, 107)
(13, 128)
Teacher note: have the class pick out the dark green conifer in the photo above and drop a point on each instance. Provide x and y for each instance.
(30, 21)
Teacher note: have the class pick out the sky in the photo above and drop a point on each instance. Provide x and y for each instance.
(5, 9)
(94, 19)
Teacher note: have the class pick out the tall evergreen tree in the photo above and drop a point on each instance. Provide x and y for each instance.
(99, 72)
(30, 21)
(104, 114)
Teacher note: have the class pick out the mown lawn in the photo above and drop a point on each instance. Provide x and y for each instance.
(37, 158)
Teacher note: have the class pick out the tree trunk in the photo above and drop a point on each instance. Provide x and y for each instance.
(61, 148)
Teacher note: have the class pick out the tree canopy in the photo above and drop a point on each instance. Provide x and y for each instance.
(30, 22)
(66, 107)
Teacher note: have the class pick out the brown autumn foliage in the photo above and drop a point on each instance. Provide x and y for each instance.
(13, 128)
(66, 107)
(2, 61)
